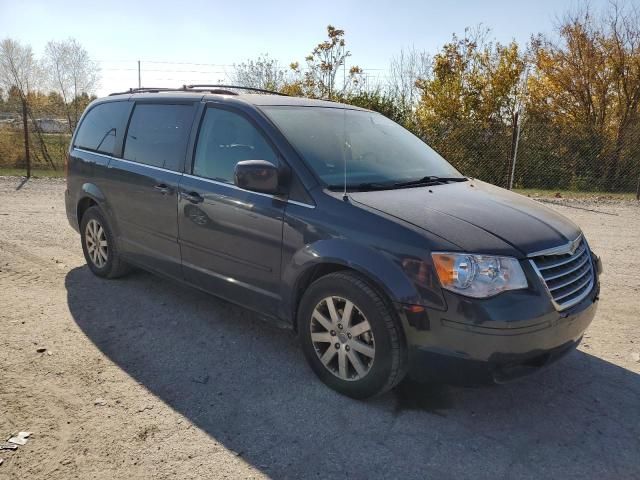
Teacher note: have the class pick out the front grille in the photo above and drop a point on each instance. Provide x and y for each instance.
(567, 276)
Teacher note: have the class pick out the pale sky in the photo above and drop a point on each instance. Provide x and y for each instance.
(198, 41)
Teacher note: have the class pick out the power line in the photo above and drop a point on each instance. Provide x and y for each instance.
(166, 62)
(160, 71)
(366, 69)
(190, 63)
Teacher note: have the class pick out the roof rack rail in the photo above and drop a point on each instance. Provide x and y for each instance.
(237, 87)
(147, 89)
(211, 88)
(221, 91)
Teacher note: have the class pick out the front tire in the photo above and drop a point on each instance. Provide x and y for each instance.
(99, 247)
(351, 336)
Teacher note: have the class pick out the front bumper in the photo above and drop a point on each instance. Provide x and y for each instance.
(493, 340)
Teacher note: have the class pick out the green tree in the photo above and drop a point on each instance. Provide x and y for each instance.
(468, 103)
(584, 97)
(379, 101)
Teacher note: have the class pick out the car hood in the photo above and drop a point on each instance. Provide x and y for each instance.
(476, 216)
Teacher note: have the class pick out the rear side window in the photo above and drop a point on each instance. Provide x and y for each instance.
(100, 126)
(158, 135)
(225, 139)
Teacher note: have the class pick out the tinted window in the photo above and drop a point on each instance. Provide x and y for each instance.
(101, 125)
(225, 139)
(158, 134)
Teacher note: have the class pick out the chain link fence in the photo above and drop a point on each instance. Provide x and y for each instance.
(546, 157)
(578, 161)
(48, 143)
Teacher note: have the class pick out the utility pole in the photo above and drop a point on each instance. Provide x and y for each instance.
(139, 82)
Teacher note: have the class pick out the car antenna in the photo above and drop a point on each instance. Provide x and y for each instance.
(345, 197)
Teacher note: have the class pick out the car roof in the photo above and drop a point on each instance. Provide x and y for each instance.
(282, 100)
(258, 100)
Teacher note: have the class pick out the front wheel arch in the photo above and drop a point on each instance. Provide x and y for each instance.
(322, 269)
(330, 255)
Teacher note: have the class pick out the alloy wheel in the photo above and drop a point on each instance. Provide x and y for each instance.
(342, 338)
(96, 242)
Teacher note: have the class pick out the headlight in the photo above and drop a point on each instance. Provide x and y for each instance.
(478, 276)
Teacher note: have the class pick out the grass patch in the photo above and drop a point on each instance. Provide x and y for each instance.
(12, 150)
(536, 192)
(35, 172)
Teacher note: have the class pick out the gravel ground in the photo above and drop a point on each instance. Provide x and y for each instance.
(144, 378)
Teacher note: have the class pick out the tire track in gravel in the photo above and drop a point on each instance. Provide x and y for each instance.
(20, 267)
(23, 275)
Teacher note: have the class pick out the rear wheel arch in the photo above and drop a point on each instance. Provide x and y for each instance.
(101, 236)
(91, 195)
(83, 205)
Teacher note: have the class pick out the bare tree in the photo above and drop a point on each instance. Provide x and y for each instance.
(19, 70)
(406, 69)
(323, 64)
(70, 72)
(263, 72)
(326, 59)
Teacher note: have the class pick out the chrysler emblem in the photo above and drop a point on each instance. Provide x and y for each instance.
(574, 245)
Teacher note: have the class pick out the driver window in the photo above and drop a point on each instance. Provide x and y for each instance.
(225, 139)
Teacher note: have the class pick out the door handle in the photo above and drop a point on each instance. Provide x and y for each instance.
(162, 188)
(193, 197)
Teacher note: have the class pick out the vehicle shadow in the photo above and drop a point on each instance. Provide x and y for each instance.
(245, 383)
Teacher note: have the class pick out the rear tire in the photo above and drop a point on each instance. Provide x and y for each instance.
(99, 247)
(360, 354)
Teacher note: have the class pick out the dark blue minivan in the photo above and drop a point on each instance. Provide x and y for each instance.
(384, 259)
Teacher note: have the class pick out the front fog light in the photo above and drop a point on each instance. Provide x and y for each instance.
(478, 276)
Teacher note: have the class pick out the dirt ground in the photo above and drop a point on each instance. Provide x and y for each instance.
(144, 378)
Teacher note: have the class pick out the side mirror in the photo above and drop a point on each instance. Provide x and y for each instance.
(257, 176)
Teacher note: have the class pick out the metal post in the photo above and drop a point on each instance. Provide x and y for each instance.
(519, 120)
(515, 152)
(139, 82)
(25, 125)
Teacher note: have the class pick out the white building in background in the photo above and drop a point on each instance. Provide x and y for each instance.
(52, 125)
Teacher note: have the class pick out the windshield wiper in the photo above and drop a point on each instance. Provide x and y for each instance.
(362, 187)
(369, 186)
(429, 180)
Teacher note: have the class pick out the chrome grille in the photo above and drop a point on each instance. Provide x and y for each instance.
(568, 275)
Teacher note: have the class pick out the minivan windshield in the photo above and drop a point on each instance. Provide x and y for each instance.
(378, 152)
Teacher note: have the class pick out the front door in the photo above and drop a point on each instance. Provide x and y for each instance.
(230, 238)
